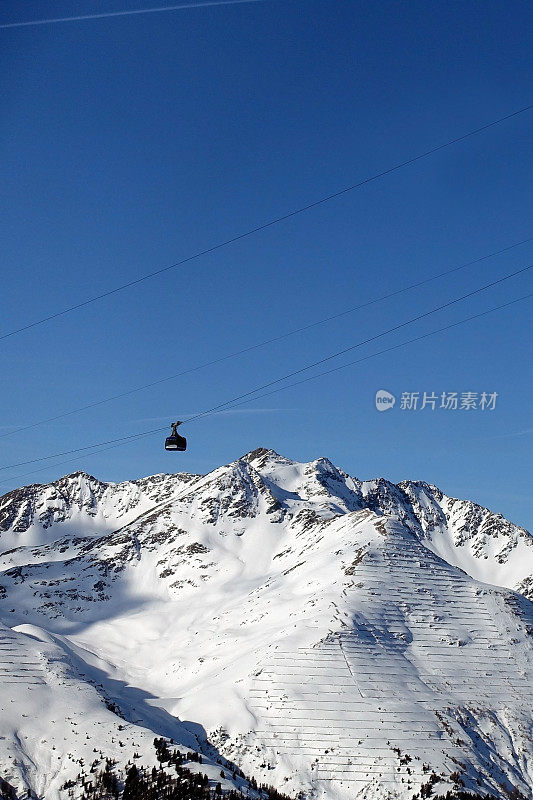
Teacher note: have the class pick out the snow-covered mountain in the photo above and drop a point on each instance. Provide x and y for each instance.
(330, 636)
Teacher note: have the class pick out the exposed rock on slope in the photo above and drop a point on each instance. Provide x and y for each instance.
(329, 635)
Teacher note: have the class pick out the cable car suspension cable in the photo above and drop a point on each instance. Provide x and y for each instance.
(272, 340)
(288, 375)
(426, 335)
(270, 223)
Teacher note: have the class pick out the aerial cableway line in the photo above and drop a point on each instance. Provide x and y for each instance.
(270, 223)
(272, 340)
(112, 443)
(249, 394)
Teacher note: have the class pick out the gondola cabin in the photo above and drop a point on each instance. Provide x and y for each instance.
(175, 441)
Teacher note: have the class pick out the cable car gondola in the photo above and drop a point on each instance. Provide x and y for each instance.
(175, 441)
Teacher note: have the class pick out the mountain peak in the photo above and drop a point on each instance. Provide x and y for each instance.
(261, 455)
(78, 475)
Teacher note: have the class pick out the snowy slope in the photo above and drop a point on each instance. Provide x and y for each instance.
(60, 712)
(340, 637)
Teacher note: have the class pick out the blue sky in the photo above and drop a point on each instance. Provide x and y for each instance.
(131, 142)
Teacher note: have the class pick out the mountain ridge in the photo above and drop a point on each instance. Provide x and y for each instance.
(421, 505)
(306, 624)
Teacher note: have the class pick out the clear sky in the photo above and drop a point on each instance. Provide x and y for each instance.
(131, 142)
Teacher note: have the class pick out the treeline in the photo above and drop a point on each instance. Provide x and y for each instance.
(7, 792)
(426, 791)
(172, 780)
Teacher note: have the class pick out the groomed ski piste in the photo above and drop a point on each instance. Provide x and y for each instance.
(331, 636)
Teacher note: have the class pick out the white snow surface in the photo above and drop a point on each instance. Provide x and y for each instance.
(331, 636)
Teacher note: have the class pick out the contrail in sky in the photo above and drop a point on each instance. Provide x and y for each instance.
(127, 13)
